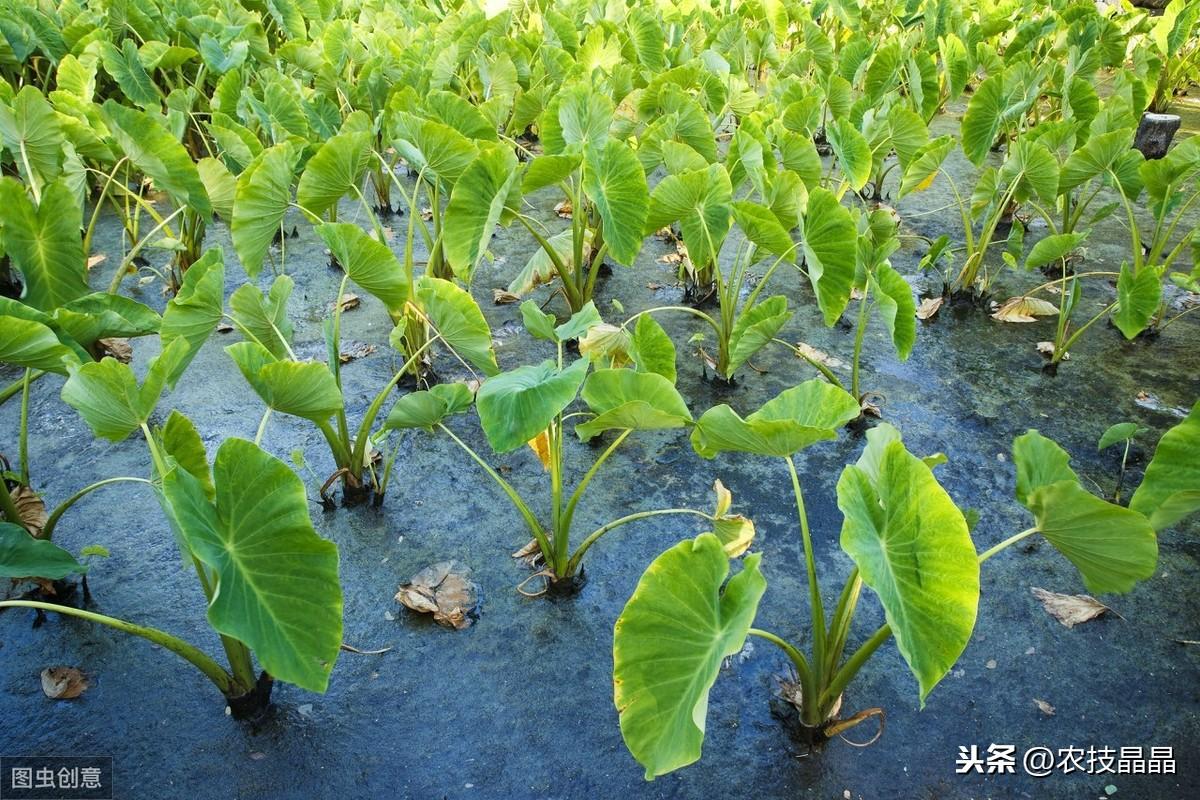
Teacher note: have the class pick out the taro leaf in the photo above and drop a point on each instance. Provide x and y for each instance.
(426, 409)
(33, 135)
(1121, 432)
(652, 349)
(196, 308)
(369, 262)
(579, 324)
(158, 155)
(1107, 156)
(576, 116)
(548, 170)
(1139, 294)
(796, 418)
(828, 231)
(924, 166)
(762, 227)
(540, 269)
(263, 194)
(108, 397)
(1032, 169)
(852, 150)
(701, 202)
(754, 329)
(219, 184)
(623, 399)
(460, 115)
(475, 207)
(456, 316)
(335, 169)
(101, 315)
(1112, 547)
(516, 406)
(897, 307)
(615, 183)
(668, 645)
(126, 69)
(30, 344)
(1053, 248)
(981, 123)
(1171, 488)
(22, 556)
(437, 150)
(301, 388)
(181, 441)
(606, 343)
(912, 547)
(265, 316)
(1039, 462)
(539, 324)
(43, 243)
(276, 580)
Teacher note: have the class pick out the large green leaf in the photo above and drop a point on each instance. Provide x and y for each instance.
(428, 408)
(623, 399)
(1053, 248)
(762, 227)
(897, 307)
(30, 344)
(1039, 462)
(22, 556)
(575, 117)
(754, 329)
(1139, 294)
(701, 202)
(1112, 547)
(43, 243)
(124, 66)
(335, 169)
(33, 135)
(159, 155)
(438, 151)
(1170, 489)
(829, 236)
(276, 581)
(852, 150)
(181, 441)
(668, 645)
(652, 349)
(981, 124)
(792, 420)
(913, 548)
(615, 183)
(456, 316)
(301, 388)
(369, 262)
(264, 316)
(108, 397)
(196, 308)
(475, 207)
(263, 194)
(924, 165)
(514, 407)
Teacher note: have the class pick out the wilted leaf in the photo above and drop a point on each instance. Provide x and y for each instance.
(356, 351)
(1047, 350)
(503, 297)
(445, 590)
(117, 348)
(348, 301)
(1044, 707)
(540, 445)
(735, 531)
(563, 209)
(1070, 609)
(811, 353)
(1024, 309)
(63, 683)
(95, 260)
(929, 307)
(31, 509)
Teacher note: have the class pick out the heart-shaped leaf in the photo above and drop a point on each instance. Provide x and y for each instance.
(623, 399)
(514, 407)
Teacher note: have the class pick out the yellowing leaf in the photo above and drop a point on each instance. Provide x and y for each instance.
(1024, 309)
(540, 445)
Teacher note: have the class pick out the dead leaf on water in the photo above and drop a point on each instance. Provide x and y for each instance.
(63, 683)
(31, 510)
(426, 213)
(116, 348)
(1024, 309)
(348, 301)
(1044, 707)
(563, 209)
(445, 590)
(811, 353)
(929, 308)
(530, 554)
(99, 258)
(355, 351)
(503, 297)
(1047, 350)
(1070, 609)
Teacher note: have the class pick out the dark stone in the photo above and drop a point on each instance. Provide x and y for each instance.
(1154, 134)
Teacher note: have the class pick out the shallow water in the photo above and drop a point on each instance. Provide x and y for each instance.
(520, 704)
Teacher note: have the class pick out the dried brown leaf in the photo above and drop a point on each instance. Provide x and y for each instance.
(811, 353)
(348, 301)
(929, 308)
(63, 683)
(563, 209)
(1069, 609)
(31, 509)
(99, 258)
(445, 590)
(1044, 707)
(116, 348)
(1047, 350)
(355, 351)
(503, 297)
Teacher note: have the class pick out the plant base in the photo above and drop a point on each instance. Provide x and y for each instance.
(1154, 134)
(253, 703)
(566, 588)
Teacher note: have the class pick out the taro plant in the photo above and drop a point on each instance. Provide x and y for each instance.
(528, 406)
(910, 544)
(1169, 55)
(603, 184)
